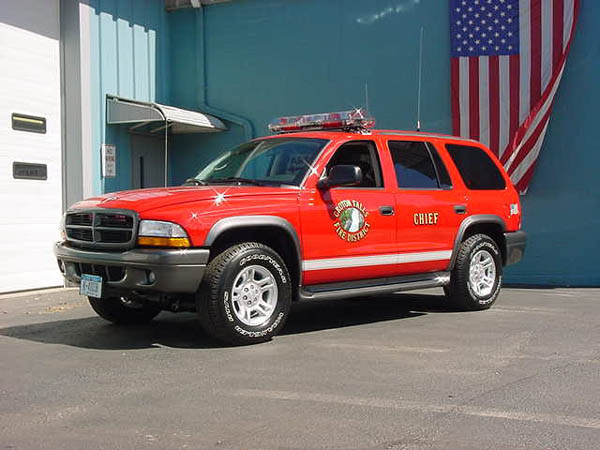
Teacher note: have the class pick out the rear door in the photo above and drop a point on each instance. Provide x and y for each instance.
(349, 233)
(429, 209)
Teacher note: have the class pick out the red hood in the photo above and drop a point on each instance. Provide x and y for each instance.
(146, 199)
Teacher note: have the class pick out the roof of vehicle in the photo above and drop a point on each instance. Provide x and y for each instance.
(337, 134)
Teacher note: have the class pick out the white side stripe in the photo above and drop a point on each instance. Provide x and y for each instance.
(375, 260)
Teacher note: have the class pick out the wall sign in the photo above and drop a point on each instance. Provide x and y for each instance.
(109, 161)
(30, 171)
(24, 122)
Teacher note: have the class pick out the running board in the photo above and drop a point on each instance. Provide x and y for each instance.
(374, 286)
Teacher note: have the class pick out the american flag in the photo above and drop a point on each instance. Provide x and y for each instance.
(507, 59)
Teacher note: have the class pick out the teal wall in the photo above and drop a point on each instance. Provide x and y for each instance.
(129, 57)
(265, 58)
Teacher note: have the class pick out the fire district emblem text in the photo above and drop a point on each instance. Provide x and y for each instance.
(351, 220)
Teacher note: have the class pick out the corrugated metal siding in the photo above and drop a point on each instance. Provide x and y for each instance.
(129, 58)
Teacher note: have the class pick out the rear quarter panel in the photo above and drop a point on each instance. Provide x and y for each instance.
(496, 202)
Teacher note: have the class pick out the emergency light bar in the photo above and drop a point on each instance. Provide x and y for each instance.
(356, 119)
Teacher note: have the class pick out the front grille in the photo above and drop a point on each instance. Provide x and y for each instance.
(113, 229)
(108, 273)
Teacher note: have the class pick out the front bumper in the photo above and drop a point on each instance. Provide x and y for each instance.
(516, 242)
(141, 269)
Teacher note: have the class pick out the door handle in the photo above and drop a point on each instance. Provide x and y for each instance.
(386, 210)
(460, 209)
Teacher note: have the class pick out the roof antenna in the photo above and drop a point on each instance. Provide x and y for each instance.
(367, 96)
(419, 82)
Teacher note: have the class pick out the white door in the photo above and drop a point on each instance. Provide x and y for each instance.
(30, 209)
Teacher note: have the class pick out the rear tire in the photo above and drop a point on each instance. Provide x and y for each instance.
(476, 279)
(115, 309)
(245, 296)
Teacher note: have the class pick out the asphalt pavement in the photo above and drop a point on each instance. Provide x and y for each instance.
(399, 372)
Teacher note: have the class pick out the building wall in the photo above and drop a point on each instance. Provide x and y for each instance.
(129, 57)
(263, 58)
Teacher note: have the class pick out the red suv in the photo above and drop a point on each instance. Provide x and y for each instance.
(325, 209)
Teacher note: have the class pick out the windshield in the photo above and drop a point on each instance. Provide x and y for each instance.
(270, 162)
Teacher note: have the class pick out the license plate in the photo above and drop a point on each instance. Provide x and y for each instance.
(91, 285)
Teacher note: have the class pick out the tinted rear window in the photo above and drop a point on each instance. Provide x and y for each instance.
(476, 168)
(413, 165)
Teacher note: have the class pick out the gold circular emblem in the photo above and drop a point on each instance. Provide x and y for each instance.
(351, 220)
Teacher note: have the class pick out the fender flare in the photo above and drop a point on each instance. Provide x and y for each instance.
(229, 223)
(466, 223)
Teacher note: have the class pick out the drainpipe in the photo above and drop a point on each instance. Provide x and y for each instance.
(203, 88)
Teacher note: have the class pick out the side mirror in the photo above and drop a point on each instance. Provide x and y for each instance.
(342, 175)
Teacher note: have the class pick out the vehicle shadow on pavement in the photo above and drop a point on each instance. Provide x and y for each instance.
(183, 330)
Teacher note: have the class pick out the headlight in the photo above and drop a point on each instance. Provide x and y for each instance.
(157, 233)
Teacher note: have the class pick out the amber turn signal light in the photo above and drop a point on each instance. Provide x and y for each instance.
(177, 242)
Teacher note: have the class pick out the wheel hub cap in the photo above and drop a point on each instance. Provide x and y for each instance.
(254, 295)
(482, 273)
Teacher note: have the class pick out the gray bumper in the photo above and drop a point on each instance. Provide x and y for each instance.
(150, 270)
(516, 242)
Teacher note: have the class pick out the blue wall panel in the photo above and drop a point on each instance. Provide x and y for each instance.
(129, 58)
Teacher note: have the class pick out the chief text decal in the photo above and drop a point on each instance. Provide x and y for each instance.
(351, 224)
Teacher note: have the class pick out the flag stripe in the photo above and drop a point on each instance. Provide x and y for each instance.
(557, 33)
(525, 56)
(464, 96)
(484, 101)
(532, 123)
(455, 100)
(533, 133)
(528, 162)
(535, 90)
(569, 10)
(474, 99)
(503, 64)
(546, 26)
(494, 103)
(515, 94)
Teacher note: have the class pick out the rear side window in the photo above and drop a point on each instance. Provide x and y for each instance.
(416, 166)
(476, 168)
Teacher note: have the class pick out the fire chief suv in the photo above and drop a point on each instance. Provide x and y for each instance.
(325, 208)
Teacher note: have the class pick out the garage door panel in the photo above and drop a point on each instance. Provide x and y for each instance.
(30, 84)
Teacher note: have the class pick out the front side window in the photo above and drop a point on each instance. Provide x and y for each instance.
(414, 167)
(476, 168)
(275, 161)
(364, 155)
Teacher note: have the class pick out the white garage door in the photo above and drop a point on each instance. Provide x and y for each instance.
(30, 209)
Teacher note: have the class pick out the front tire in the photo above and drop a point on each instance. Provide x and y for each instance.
(476, 279)
(246, 295)
(122, 311)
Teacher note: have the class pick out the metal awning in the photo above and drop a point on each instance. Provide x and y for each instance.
(154, 117)
(160, 120)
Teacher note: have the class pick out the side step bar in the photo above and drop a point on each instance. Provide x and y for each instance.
(374, 286)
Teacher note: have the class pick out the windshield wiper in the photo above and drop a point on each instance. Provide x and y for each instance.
(238, 180)
(195, 182)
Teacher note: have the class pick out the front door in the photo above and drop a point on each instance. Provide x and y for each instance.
(147, 161)
(349, 233)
